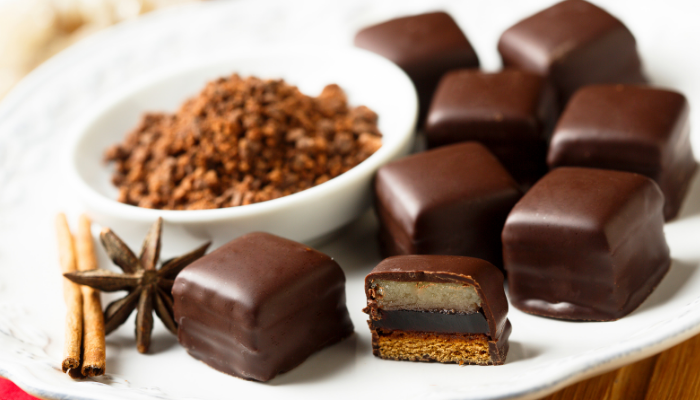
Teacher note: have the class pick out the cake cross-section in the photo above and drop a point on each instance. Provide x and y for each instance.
(585, 244)
(512, 112)
(447, 309)
(260, 305)
(629, 128)
(574, 43)
(425, 46)
(452, 200)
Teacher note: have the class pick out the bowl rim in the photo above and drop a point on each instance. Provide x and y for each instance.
(107, 205)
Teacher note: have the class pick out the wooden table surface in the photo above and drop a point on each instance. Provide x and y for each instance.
(673, 374)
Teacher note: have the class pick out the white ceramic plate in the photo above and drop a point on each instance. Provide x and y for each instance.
(36, 118)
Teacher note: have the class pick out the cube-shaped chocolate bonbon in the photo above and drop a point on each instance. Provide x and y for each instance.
(260, 305)
(629, 128)
(574, 43)
(425, 46)
(452, 200)
(585, 244)
(512, 112)
(448, 309)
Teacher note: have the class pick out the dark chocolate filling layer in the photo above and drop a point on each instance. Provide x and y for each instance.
(426, 321)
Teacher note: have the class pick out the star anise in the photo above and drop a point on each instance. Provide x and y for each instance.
(149, 288)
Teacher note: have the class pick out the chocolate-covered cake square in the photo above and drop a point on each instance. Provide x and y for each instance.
(447, 309)
(585, 244)
(574, 43)
(629, 128)
(260, 305)
(451, 200)
(425, 46)
(512, 112)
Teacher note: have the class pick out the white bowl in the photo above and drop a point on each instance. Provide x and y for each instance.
(306, 216)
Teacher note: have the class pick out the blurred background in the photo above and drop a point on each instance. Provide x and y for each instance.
(31, 31)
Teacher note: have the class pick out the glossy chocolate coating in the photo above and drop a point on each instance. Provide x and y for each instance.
(451, 200)
(585, 244)
(260, 305)
(425, 46)
(486, 279)
(629, 128)
(573, 43)
(512, 112)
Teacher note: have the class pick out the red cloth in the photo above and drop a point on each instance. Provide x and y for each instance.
(10, 391)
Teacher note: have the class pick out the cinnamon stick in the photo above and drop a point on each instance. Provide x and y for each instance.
(72, 296)
(93, 326)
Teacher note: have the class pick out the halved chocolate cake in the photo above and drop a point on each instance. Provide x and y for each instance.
(447, 309)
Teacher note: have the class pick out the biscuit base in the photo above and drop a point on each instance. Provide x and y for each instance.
(473, 349)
